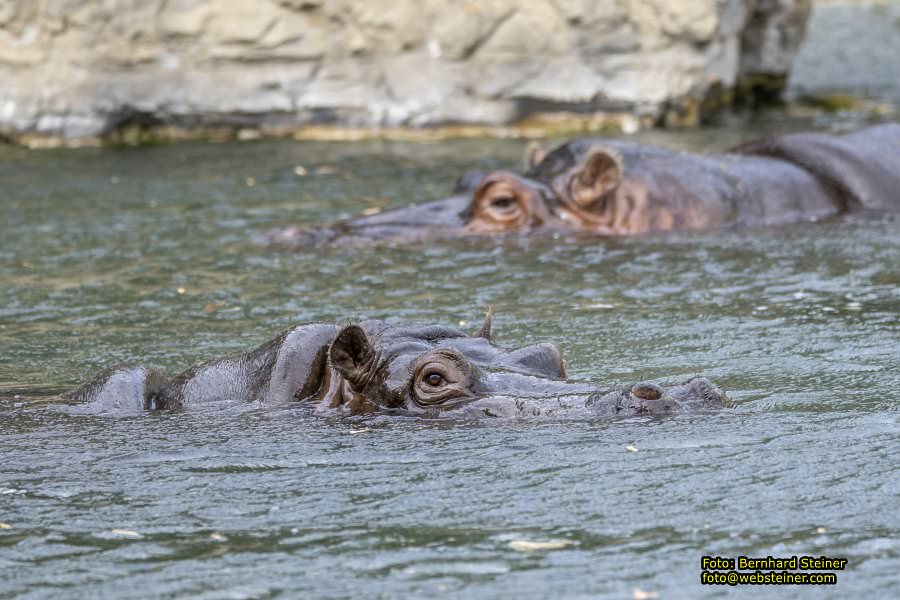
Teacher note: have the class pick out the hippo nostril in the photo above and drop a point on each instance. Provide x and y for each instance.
(647, 391)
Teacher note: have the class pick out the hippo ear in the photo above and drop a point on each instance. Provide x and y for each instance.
(349, 351)
(485, 331)
(600, 173)
(468, 181)
(534, 154)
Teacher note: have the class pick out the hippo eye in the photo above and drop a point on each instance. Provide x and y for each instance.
(503, 203)
(434, 379)
(441, 376)
(500, 202)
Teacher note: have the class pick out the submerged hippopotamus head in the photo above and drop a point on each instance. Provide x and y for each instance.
(613, 187)
(599, 186)
(439, 371)
(374, 366)
(606, 187)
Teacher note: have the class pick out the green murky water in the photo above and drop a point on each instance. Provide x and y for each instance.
(146, 255)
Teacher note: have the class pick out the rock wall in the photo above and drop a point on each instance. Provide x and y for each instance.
(84, 68)
(852, 46)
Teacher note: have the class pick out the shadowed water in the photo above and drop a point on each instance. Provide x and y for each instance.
(146, 255)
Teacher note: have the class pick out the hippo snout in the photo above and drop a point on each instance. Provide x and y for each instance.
(693, 395)
(647, 398)
(650, 399)
(294, 235)
(699, 393)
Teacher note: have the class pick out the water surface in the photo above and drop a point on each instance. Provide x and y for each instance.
(146, 255)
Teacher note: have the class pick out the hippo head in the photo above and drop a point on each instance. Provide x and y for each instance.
(606, 187)
(437, 371)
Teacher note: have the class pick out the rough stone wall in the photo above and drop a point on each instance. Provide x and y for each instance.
(82, 68)
(853, 46)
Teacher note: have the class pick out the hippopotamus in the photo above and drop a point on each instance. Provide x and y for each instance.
(374, 367)
(613, 187)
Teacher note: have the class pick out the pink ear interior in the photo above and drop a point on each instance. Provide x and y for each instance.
(600, 173)
(349, 350)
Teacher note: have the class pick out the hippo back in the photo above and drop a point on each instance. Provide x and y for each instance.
(863, 166)
(123, 389)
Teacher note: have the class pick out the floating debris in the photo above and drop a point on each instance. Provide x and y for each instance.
(821, 530)
(630, 124)
(528, 546)
(126, 533)
(250, 181)
(5, 526)
(639, 594)
(853, 306)
(463, 323)
(218, 537)
(631, 448)
(363, 430)
(300, 171)
(372, 210)
(181, 290)
(248, 135)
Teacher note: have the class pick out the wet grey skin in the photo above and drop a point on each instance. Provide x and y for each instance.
(375, 367)
(613, 187)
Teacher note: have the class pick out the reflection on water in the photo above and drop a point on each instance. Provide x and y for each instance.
(146, 255)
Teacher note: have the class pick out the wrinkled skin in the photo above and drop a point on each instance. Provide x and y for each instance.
(374, 367)
(613, 187)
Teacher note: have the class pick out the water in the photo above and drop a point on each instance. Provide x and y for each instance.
(146, 255)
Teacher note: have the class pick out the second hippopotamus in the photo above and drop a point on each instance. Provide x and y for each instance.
(613, 187)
